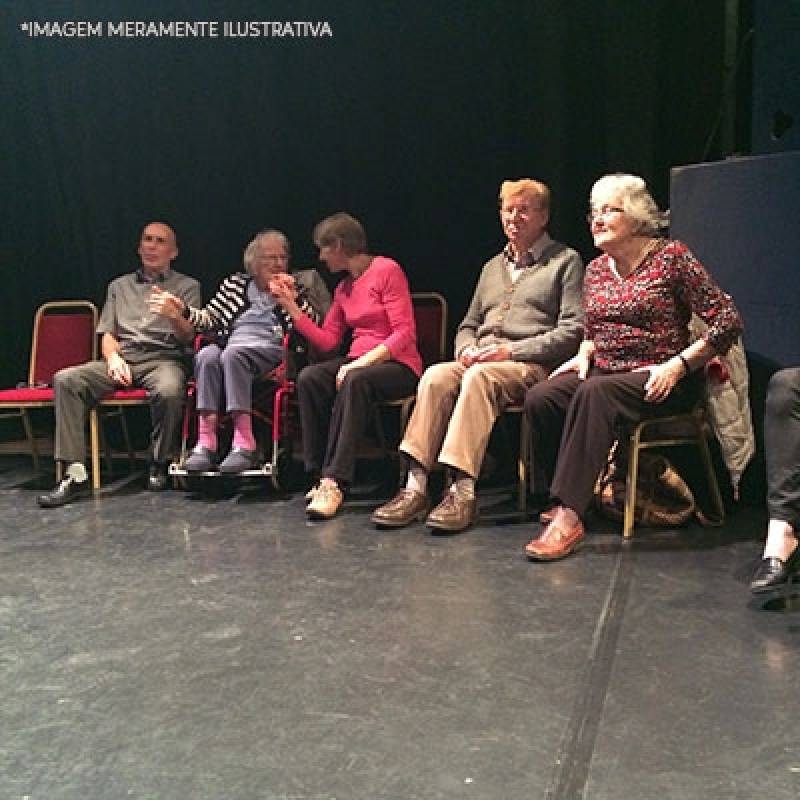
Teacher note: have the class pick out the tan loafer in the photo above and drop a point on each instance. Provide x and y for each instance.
(454, 514)
(326, 501)
(405, 507)
(555, 542)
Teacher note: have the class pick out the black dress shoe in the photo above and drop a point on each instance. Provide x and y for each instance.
(158, 479)
(773, 573)
(68, 490)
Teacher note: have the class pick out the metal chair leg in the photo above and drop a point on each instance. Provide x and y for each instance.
(94, 446)
(718, 517)
(522, 463)
(26, 424)
(630, 483)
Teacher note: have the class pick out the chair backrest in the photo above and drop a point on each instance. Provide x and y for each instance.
(430, 313)
(63, 336)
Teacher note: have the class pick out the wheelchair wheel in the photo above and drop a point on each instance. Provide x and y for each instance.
(288, 472)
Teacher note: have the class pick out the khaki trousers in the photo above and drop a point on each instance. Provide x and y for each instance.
(456, 409)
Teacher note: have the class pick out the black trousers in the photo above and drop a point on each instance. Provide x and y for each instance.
(334, 421)
(782, 445)
(574, 423)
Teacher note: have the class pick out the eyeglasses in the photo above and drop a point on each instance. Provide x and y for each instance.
(523, 211)
(594, 213)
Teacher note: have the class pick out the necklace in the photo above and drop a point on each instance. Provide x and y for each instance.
(651, 246)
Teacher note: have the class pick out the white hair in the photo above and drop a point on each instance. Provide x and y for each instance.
(636, 201)
(251, 251)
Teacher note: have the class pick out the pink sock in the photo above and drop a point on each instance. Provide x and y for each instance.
(207, 430)
(243, 430)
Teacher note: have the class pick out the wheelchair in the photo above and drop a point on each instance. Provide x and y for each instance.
(276, 425)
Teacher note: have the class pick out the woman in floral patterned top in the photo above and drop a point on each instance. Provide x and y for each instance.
(636, 359)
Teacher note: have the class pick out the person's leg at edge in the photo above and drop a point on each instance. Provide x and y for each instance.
(782, 447)
(781, 556)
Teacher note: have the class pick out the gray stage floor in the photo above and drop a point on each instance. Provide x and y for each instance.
(171, 646)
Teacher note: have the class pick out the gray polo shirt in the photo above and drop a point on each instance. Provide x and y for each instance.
(127, 317)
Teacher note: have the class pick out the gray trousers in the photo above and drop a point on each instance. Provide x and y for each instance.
(79, 388)
(782, 446)
(231, 370)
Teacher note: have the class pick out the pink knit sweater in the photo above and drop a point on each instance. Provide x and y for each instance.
(377, 308)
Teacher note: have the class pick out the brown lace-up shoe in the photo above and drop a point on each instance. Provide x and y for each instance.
(326, 501)
(455, 513)
(405, 507)
(555, 542)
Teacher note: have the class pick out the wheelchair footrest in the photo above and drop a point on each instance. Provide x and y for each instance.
(265, 470)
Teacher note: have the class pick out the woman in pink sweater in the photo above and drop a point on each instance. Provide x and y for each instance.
(336, 397)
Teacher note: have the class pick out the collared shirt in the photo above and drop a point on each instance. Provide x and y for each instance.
(141, 333)
(529, 258)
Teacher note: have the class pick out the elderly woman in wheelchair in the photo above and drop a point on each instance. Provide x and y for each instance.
(249, 328)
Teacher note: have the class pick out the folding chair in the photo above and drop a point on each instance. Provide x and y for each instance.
(113, 405)
(430, 315)
(679, 430)
(63, 336)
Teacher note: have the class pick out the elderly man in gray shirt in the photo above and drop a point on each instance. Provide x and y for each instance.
(140, 349)
(525, 318)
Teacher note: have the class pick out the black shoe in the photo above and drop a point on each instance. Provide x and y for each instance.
(773, 573)
(201, 459)
(68, 490)
(158, 479)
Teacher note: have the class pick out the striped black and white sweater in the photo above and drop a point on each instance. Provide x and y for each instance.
(231, 301)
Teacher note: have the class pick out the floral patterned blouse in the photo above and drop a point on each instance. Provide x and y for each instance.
(643, 318)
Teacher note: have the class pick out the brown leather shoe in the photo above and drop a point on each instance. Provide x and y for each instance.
(555, 542)
(455, 513)
(405, 507)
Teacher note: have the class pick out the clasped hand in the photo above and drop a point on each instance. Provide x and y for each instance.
(282, 286)
(472, 354)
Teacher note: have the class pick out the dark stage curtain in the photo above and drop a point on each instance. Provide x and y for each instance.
(409, 116)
